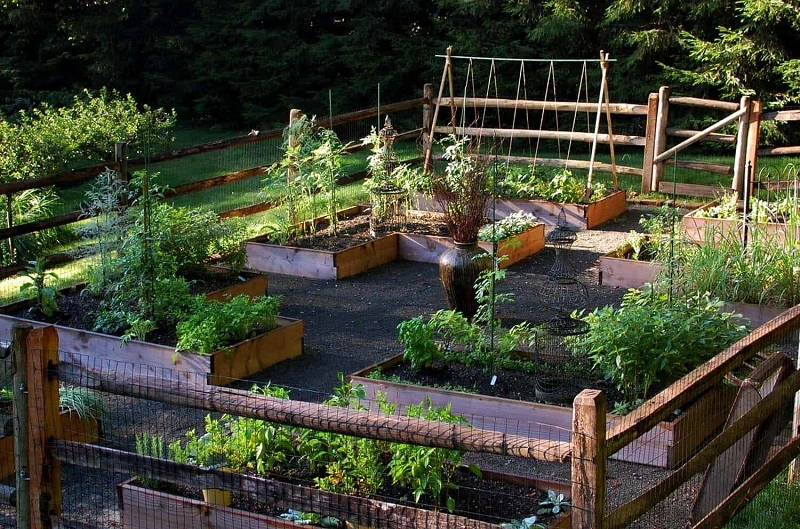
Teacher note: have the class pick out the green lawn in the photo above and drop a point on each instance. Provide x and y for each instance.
(775, 507)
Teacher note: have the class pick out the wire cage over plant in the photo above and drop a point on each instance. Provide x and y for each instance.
(389, 201)
(567, 292)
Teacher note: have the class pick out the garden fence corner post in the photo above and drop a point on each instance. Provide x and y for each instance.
(589, 459)
(649, 143)
(740, 156)
(660, 138)
(753, 139)
(45, 425)
(19, 352)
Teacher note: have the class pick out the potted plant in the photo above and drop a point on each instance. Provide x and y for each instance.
(461, 191)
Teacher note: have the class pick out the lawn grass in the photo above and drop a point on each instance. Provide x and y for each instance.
(775, 507)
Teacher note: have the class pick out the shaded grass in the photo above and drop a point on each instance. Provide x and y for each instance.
(775, 507)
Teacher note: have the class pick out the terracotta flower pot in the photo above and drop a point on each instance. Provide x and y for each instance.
(459, 268)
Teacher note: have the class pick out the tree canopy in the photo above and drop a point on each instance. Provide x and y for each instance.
(248, 61)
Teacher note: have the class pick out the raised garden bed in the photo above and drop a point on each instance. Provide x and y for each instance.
(339, 264)
(74, 428)
(144, 507)
(617, 269)
(698, 228)
(667, 445)
(241, 360)
(578, 216)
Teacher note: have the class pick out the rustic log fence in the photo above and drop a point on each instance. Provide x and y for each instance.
(736, 463)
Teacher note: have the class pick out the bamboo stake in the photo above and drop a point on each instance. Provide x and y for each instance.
(449, 67)
(426, 164)
(604, 69)
(604, 64)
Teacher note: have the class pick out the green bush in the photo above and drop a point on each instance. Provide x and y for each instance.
(214, 325)
(648, 342)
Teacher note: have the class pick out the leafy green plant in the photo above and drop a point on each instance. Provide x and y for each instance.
(507, 227)
(310, 518)
(545, 183)
(419, 347)
(525, 523)
(554, 504)
(650, 341)
(214, 325)
(44, 295)
(424, 470)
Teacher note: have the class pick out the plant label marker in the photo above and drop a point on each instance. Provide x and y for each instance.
(494, 379)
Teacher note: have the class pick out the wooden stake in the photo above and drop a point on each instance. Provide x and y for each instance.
(449, 67)
(427, 117)
(427, 166)
(740, 158)
(604, 69)
(604, 64)
(589, 459)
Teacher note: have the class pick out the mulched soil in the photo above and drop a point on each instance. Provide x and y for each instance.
(351, 324)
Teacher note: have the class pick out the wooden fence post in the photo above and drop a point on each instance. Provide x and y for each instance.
(427, 116)
(660, 140)
(45, 424)
(649, 143)
(589, 459)
(753, 137)
(19, 352)
(740, 158)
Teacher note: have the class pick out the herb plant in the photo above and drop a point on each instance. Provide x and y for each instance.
(649, 341)
(525, 523)
(505, 228)
(554, 504)
(213, 325)
(44, 295)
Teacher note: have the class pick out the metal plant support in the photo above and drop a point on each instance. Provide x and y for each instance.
(389, 201)
(568, 293)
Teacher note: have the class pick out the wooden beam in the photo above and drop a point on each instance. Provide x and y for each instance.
(703, 103)
(660, 138)
(740, 157)
(586, 137)
(589, 459)
(555, 106)
(230, 178)
(315, 416)
(700, 135)
(751, 487)
(717, 168)
(630, 511)
(676, 396)
(714, 137)
(781, 115)
(363, 511)
(358, 115)
(558, 162)
(692, 190)
(779, 151)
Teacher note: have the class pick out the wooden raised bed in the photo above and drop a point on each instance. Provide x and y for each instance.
(241, 360)
(143, 507)
(74, 427)
(616, 269)
(93, 350)
(428, 248)
(667, 445)
(323, 264)
(699, 228)
(578, 216)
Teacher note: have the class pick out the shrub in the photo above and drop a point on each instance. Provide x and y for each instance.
(213, 325)
(648, 342)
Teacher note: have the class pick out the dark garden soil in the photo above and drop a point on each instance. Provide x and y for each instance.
(351, 324)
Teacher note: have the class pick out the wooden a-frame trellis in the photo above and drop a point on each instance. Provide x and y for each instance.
(595, 137)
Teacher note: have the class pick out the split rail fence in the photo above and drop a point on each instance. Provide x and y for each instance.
(728, 469)
(656, 114)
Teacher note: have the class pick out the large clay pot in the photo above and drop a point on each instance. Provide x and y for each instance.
(459, 268)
